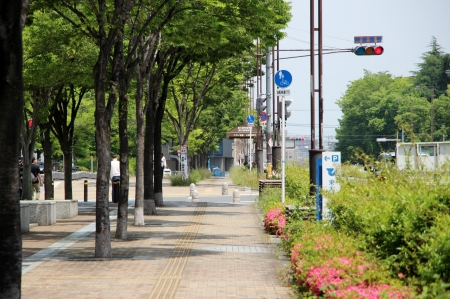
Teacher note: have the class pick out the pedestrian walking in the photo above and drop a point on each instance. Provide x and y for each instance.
(163, 163)
(36, 179)
(115, 178)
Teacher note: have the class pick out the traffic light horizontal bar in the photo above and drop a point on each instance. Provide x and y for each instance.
(368, 50)
(368, 39)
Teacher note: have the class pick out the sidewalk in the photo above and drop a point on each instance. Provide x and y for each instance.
(210, 249)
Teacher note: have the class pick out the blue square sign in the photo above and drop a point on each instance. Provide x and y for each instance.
(334, 158)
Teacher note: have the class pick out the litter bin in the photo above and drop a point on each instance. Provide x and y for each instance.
(115, 189)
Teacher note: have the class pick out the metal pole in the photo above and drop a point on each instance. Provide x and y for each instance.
(260, 70)
(257, 68)
(313, 120)
(274, 98)
(320, 78)
(412, 123)
(278, 98)
(432, 113)
(85, 190)
(269, 79)
(283, 150)
(250, 150)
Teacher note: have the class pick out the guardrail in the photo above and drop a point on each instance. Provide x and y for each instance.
(79, 175)
(269, 184)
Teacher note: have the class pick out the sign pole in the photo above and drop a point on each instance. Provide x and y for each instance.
(250, 150)
(283, 79)
(283, 150)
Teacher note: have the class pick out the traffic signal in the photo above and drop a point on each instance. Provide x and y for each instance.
(287, 113)
(260, 105)
(368, 50)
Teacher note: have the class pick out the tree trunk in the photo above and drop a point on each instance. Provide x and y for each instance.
(11, 117)
(158, 169)
(103, 140)
(122, 213)
(149, 196)
(67, 154)
(139, 197)
(48, 167)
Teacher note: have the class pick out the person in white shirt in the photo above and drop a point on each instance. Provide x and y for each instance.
(115, 175)
(115, 168)
(163, 163)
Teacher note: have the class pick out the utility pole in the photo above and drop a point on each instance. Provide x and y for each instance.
(315, 155)
(432, 114)
(270, 113)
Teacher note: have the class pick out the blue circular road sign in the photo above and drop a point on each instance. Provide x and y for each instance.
(283, 78)
(250, 119)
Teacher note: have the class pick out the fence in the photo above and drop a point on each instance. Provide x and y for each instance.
(79, 175)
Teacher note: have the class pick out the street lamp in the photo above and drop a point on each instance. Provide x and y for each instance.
(431, 110)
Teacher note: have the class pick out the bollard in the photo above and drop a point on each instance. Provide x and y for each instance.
(224, 189)
(236, 196)
(269, 170)
(191, 189)
(195, 196)
(52, 196)
(85, 190)
(115, 191)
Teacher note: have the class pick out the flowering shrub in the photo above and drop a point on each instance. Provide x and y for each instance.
(329, 265)
(274, 222)
(370, 292)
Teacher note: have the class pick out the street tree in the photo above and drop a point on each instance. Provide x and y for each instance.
(58, 65)
(201, 101)
(104, 22)
(432, 70)
(232, 29)
(369, 108)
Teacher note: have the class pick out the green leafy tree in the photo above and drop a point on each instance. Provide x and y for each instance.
(201, 91)
(232, 29)
(369, 109)
(58, 72)
(432, 69)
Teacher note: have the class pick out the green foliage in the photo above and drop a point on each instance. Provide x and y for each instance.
(297, 184)
(243, 176)
(317, 245)
(195, 176)
(369, 107)
(399, 217)
(297, 190)
(270, 199)
(380, 105)
(432, 69)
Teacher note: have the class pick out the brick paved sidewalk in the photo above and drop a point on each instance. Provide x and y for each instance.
(189, 250)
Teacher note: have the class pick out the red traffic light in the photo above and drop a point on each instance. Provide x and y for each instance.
(368, 50)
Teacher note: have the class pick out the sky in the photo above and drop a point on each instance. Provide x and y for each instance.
(407, 27)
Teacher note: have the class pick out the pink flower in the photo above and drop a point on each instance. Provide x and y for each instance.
(275, 221)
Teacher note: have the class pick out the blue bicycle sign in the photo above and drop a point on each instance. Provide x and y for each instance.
(283, 78)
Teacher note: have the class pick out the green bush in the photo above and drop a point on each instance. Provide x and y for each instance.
(298, 185)
(269, 199)
(297, 191)
(242, 176)
(194, 177)
(401, 218)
